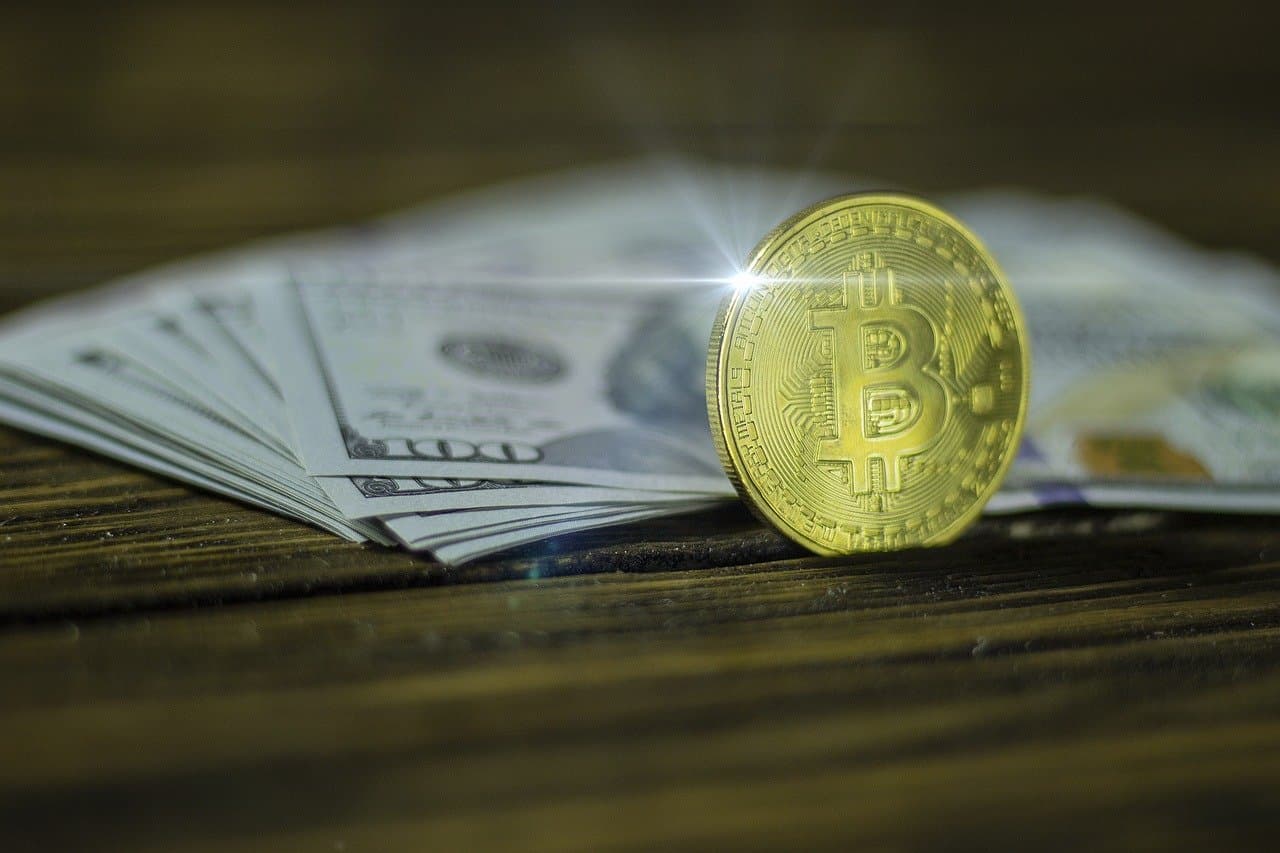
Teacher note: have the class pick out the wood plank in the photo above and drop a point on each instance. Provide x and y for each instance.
(881, 699)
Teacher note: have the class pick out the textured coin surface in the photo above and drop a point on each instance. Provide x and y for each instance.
(867, 385)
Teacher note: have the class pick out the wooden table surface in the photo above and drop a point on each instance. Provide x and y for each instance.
(180, 672)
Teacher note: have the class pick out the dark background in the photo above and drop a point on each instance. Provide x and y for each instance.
(135, 132)
(181, 672)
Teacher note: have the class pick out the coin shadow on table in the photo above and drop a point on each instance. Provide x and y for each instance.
(1037, 552)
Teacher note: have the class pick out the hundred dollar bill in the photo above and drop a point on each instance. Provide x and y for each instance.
(1102, 290)
(1155, 373)
(88, 380)
(371, 497)
(39, 411)
(1155, 365)
(418, 533)
(430, 380)
(440, 527)
(528, 360)
(226, 323)
(495, 343)
(1199, 430)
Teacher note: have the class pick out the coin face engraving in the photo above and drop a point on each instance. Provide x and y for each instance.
(888, 407)
(867, 391)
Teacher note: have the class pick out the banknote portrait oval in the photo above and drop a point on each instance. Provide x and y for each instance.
(503, 358)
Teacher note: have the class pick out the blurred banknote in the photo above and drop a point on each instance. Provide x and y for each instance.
(528, 361)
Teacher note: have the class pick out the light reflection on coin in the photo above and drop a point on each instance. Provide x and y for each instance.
(867, 384)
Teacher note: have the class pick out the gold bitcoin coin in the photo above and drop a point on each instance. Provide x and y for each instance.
(867, 383)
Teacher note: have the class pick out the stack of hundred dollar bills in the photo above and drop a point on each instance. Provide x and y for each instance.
(528, 361)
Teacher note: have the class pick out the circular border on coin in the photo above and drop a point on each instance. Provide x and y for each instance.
(726, 325)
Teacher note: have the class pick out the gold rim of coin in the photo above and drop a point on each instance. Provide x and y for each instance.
(900, 445)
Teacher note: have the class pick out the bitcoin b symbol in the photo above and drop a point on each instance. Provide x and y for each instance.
(888, 406)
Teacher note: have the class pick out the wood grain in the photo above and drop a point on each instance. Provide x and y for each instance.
(1051, 690)
(181, 672)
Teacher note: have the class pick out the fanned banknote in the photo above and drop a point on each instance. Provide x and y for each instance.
(528, 361)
